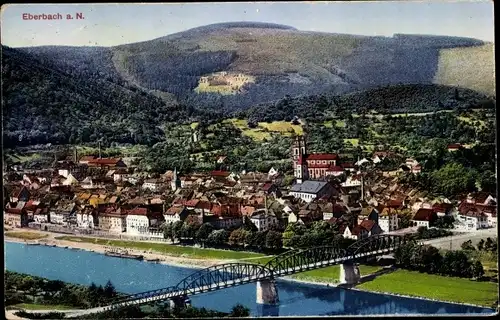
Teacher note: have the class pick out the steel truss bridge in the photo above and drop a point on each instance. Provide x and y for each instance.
(222, 276)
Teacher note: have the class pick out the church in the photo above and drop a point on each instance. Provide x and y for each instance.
(316, 166)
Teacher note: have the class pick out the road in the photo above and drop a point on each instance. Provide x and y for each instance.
(454, 242)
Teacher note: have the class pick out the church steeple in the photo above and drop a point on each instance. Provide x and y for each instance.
(176, 182)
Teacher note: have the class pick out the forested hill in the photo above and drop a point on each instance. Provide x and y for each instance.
(42, 104)
(390, 99)
(283, 61)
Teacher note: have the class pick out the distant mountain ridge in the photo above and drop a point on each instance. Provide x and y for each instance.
(284, 60)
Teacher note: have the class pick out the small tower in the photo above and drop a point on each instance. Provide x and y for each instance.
(176, 182)
(301, 171)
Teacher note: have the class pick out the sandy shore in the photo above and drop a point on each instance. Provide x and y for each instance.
(98, 248)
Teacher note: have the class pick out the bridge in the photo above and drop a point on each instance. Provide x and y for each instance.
(222, 276)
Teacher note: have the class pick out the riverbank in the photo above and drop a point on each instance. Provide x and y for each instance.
(326, 276)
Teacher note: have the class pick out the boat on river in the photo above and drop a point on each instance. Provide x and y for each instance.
(112, 252)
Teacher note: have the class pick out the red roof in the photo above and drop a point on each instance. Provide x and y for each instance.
(367, 224)
(217, 173)
(322, 156)
(138, 211)
(394, 203)
(267, 186)
(423, 214)
(454, 146)
(192, 203)
(203, 205)
(174, 209)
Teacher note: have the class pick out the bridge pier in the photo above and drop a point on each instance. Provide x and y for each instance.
(179, 302)
(267, 293)
(349, 273)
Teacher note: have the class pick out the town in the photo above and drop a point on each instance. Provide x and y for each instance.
(90, 194)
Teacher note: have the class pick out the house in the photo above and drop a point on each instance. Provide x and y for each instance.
(41, 215)
(137, 221)
(113, 220)
(152, 184)
(424, 217)
(175, 213)
(310, 190)
(333, 210)
(70, 180)
(371, 227)
(272, 173)
(20, 193)
(15, 217)
(475, 216)
(454, 147)
(368, 213)
(355, 233)
(263, 221)
(442, 209)
(87, 218)
(335, 171)
(86, 159)
(388, 220)
(107, 163)
(483, 198)
(220, 222)
(352, 181)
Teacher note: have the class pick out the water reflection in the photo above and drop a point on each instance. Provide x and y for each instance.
(133, 276)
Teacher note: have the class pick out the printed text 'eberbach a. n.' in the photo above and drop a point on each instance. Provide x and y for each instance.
(55, 16)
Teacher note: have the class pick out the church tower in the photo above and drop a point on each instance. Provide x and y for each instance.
(176, 182)
(299, 150)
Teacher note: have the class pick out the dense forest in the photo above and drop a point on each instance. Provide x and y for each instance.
(284, 61)
(45, 105)
(390, 99)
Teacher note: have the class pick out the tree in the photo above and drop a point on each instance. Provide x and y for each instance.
(480, 245)
(239, 311)
(237, 237)
(453, 179)
(467, 246)
(430, 259)
(490, 245)
(203, 232)
(177, 230)
(218, 237)
(288, 234)
(109, 290)
(168, 231)
(249, 225)
(273, 240)
(477, 269)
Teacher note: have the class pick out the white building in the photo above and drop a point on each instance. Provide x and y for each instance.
(56, 217)
(473, 220)
(137, 221)
(263, 221)
(352, 181)
(151, 184)
(41, 215)
(85, 219)
(70, 180)
(388, 220)
(175, 213)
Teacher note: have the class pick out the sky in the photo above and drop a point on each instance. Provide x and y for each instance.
(115, 24)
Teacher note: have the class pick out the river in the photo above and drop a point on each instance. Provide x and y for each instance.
(132, 276)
